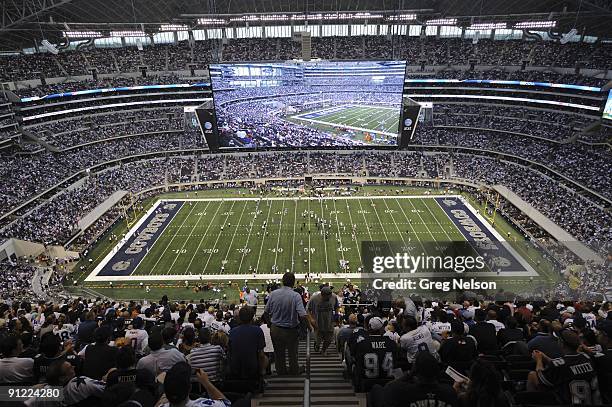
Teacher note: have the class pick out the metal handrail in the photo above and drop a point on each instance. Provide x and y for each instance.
(307, 379)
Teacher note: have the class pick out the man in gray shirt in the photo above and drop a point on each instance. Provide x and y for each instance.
(284, 311)
(322, 307)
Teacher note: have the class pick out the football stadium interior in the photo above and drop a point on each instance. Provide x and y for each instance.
(300, 203)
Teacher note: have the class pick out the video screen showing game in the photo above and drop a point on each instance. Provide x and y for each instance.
(607, 113)
(308, 104)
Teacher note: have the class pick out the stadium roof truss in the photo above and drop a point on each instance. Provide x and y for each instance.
(24, 22)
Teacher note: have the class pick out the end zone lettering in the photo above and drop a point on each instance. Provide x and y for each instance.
(147, 234)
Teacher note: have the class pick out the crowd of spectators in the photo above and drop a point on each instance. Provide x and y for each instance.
(583, 218)
(499, 349)
(586, 164)
(430, 51)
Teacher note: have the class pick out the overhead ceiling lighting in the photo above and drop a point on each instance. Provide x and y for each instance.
(487, 26)
(402, 17)
(173, 27)
(128, 34)
(442, 21)
(536, 24)
(211, 21)
(82, 34)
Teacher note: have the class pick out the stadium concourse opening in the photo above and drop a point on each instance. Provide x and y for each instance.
(283, 204)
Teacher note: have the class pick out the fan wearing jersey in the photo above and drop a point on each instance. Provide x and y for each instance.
(374, 353)
(572, 377)
(51, 351)
(416, 339)
(137, 336)
(419, 388)
(439, 323)
(63, 329)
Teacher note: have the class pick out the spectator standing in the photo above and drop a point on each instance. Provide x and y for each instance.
(285, 310)
(322, 307)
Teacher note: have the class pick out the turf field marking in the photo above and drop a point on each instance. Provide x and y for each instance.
(234, 234)
(189, 236)
(433, 238)
(203, 236)
(395, 223)
(280, 225)
(309, 233)
(229, 213)
(339, 231)
(246, 243)
(169, 243)
(293, 237)
(351, 227)
(365, 221)
(324, 239)
(416, 236)
(263, 237)
(380, 221)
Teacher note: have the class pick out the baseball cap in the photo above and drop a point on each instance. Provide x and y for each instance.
(571, 310)
(177, 382)
(376, 323)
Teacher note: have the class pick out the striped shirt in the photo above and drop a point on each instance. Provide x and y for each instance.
(208, 358)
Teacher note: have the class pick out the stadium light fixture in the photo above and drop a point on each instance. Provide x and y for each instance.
(134, 33)
(442, 21)
(82, 34)
(173, 27)
(487, 26)
(535, 24)
(211, 21)
(402, 17)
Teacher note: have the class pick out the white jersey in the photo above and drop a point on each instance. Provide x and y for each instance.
(498, 325)
(65, 332)
(220, 326)
(139, 339)
(417, 340)
(438, 327)
(590, 319)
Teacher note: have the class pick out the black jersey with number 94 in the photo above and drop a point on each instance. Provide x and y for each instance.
(375, 356)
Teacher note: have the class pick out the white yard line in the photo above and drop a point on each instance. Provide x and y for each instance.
(203, 236)
(229, 213)
(433, 238)
(229, 248)
(295, 205)
(309, 246)
(263, 237)
(248, 237)
(380, 221)
(202, 213)
(351, 228)
(365, 221)
(169, 243)
(324, 240)
(416, 236)
(395, 223)
(280, 225)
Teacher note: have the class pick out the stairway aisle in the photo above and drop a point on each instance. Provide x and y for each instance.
(327, 385)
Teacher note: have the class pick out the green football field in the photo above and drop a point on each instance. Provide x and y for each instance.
(192, 246)
(255, 238)
(372, 119)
